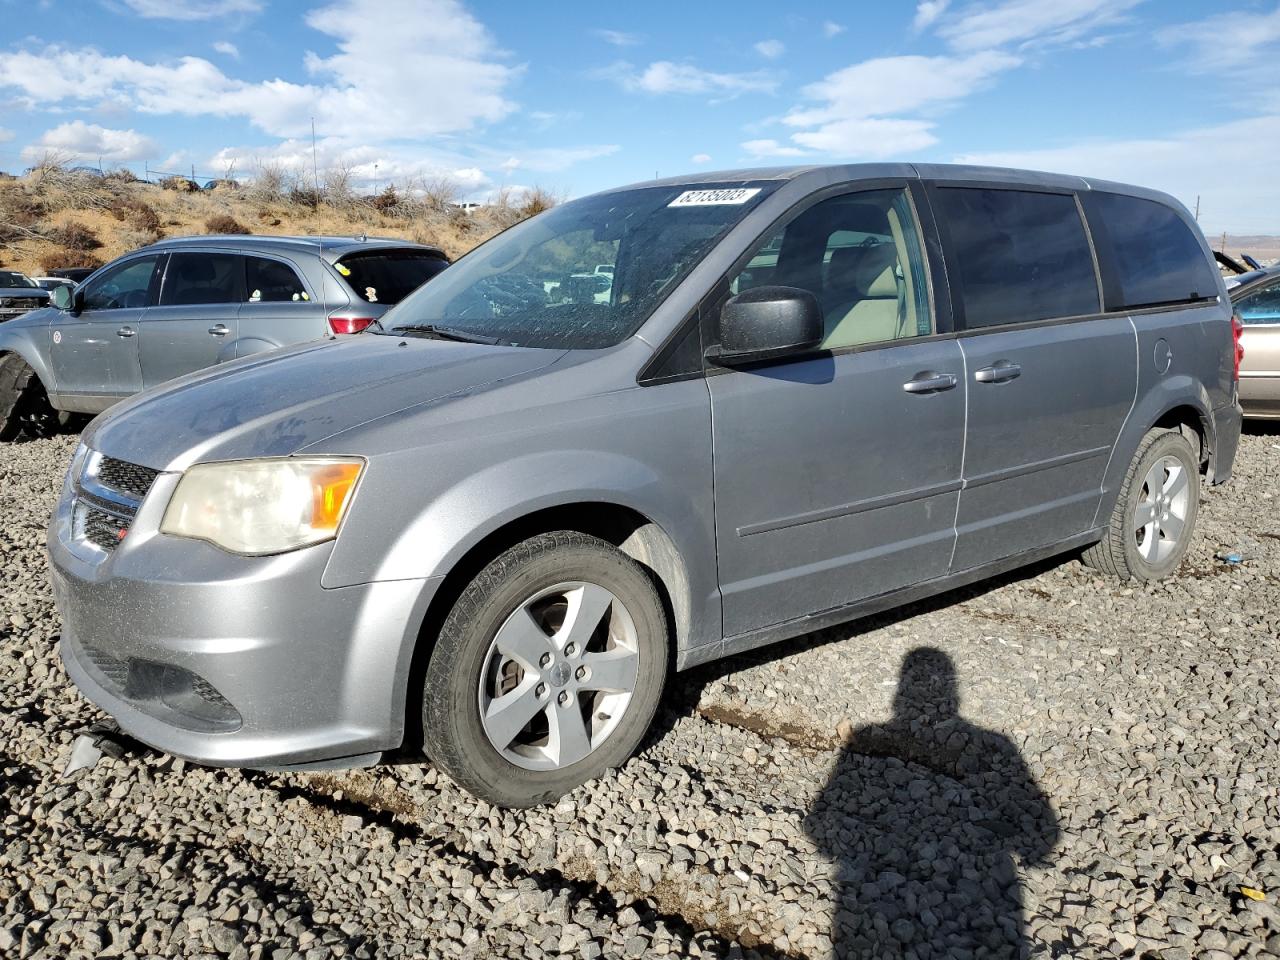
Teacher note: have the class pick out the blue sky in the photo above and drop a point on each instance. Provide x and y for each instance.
(575, 97)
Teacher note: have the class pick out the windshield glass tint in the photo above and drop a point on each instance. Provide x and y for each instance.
(586, 274)
(14, 280)
(388, 276)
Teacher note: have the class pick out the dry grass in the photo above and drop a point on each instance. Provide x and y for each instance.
(53, 217)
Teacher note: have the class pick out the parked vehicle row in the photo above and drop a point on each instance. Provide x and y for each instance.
(19, 294)
(501, 521)
(1256, 296)
(184, 304)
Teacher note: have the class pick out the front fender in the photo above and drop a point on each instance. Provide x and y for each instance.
(29, 339)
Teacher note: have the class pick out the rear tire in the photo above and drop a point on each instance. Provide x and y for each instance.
(547, 672)
(1155, 514)
(24, 405)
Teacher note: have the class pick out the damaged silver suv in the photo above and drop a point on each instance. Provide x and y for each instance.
(796, 397)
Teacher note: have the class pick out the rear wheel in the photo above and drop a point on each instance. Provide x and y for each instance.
(24, 405)
(1155, 515)
(547, 671)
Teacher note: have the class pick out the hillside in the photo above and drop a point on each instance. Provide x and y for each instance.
(54, 217)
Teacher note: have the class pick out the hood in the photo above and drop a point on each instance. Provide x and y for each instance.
(273, 404)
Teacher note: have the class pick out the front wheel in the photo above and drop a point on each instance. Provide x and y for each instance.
(547, 671)
(24, 406)
(1155, 515)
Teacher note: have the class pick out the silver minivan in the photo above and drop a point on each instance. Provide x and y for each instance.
(496, 527)
(187, 303)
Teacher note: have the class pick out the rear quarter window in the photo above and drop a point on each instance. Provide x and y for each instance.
(388, 276)
(1018, 255)
(1149, 254)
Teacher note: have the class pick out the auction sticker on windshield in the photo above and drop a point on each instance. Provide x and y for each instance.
(714, 198)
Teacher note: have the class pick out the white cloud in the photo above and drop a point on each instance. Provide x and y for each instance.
(227, 48)
(618, 38)
(927, 11)
(1241, 195)
(700, 158)
(191, 9)
(82, 139)
(1228, 43)
(1024, 21)
(555, 159)
(771, 49)
(832, 29)
(5, 135)
(771, 148)
(664, 77)
(372, 88)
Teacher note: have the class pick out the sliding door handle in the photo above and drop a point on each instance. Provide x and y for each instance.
(1001, 371)
(928, 381)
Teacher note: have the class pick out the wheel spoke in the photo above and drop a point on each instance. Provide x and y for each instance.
(509, 714)
(522, 639)
(1176, 483)
(1154, 479)
(569, 741)
(1172, 526)
(588, 605)
(1143, 516)
(1150, 543)
(614, 670)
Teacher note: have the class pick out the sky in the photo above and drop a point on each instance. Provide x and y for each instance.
(575, 97)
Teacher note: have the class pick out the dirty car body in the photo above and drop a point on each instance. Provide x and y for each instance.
(1257, 302)
(926, 435)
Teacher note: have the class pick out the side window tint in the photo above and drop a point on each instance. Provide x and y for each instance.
(201, 278)
(123, 286)
(1262, 306)
(860, 255)
(1021, 256)
(270, 281)
(1155, 256)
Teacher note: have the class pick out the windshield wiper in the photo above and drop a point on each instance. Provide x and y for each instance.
(437, 332)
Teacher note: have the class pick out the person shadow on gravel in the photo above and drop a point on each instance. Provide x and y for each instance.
(922, 818)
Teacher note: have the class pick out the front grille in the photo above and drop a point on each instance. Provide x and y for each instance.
(102, 529)
(115, 671)
(130, 478)
(203, 689)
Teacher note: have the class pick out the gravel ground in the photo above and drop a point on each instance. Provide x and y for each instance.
(1052, 764)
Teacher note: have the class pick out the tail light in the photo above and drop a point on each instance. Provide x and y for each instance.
(346, 323)
(1237, 333)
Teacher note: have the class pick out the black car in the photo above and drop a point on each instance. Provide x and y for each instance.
(18, 294)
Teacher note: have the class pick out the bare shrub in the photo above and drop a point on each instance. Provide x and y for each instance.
(63, 257)
(439, 193)
(225, 223)
(536, 201)
(140, 215)
(121, 176)
(336, 189)
(387, 201)
(74, 235)
(270, 183)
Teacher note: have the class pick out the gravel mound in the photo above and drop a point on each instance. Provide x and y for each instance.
(1050, 764)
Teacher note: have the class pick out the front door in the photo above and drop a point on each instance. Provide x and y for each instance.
(94, 352)
(837, 473)
(196, 322)
(1051, 380)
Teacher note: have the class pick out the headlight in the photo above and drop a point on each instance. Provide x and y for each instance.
(262, 506)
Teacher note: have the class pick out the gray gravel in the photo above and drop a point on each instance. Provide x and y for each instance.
(1054, 764)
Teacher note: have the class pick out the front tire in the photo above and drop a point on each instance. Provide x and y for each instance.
(1155, 515)
(547, 672)
(24, 405)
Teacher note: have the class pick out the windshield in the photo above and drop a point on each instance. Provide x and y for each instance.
(388, 276)
(537, 284)
(10, 279)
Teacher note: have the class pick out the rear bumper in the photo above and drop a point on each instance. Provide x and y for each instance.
(236, 661)
(1226, 440)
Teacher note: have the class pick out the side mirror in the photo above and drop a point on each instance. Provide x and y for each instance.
(61, 297)
(767, 322)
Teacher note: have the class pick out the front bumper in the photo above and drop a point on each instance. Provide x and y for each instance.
(230, 660)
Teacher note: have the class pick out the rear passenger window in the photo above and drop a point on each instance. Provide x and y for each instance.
(201, 278)
(1262, 306)
(1019, 255)
(1154, 254)
(270, 281)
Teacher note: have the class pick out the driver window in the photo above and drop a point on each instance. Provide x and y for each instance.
(124, 286)
(860, 255)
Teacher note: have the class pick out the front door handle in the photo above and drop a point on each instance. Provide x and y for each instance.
(1001, 371)
(126, 332)
(928, 381)
(219, 330)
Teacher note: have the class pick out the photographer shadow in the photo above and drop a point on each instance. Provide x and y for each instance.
(926, 819)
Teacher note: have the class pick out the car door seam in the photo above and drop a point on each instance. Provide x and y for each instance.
(964, 450)
(1124, 424)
